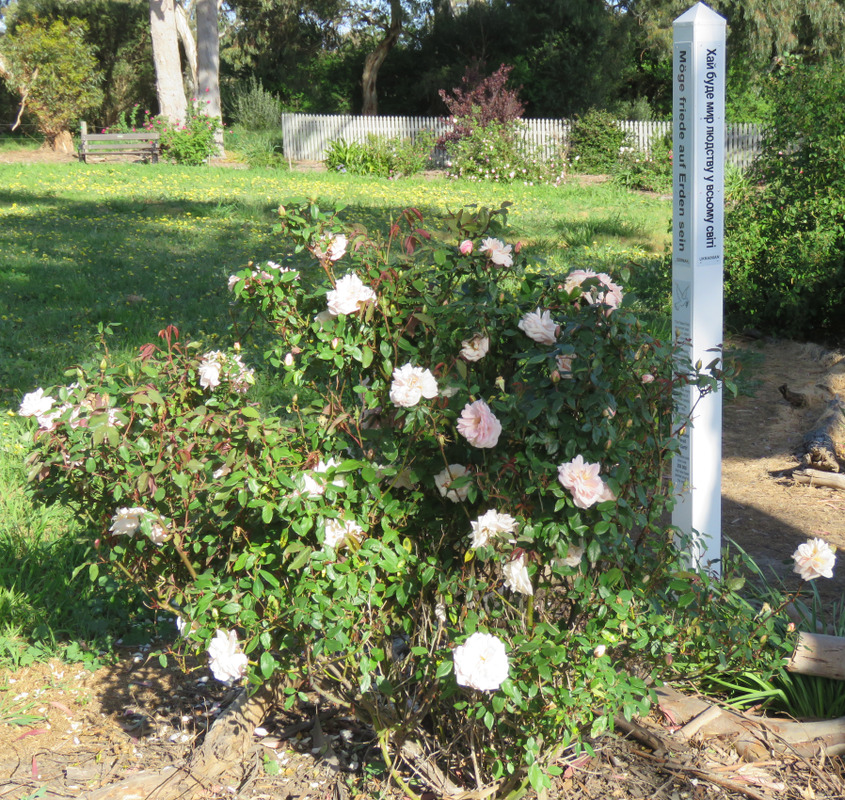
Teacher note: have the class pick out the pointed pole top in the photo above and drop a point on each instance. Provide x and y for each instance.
(700, 14)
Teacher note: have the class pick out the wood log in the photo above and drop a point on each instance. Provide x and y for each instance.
(816, 477)
(818, 449)
(820, 655)
(755, 737)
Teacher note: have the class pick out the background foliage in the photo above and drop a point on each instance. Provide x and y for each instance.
(785, 236)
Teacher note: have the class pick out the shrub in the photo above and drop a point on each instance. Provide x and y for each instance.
(254, 108)
(387, 158)
(480, 101)
(784, 233)
(454, 527)
(649, 172)
(259, 149)
(498, 152)
(595, 141)
(193, 143)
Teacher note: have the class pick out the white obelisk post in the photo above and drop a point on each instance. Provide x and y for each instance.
(697, 255)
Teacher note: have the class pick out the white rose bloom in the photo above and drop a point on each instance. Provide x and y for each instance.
(539, 326)
(35, 404)
(225, 658)
(336, 247)
(241, 377)
(338, 532)
(497, 251)
(574, 555)
(444, 481)
(476, 348)
(411, 384)
(210, 368)
(489, 525)
(349, 295)
(481, 662)
(814, 559)
(516, 576)
(316, 487)
(127, 521)
(158, 534)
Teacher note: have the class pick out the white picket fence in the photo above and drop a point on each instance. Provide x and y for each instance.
(307, 136)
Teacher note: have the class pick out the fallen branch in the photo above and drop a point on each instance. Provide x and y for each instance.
(815, 477)
(657, 745)
(756, 737)
(820, 655)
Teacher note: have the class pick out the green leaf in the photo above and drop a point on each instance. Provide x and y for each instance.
(300, 560)
(443, 669)
(267, 665)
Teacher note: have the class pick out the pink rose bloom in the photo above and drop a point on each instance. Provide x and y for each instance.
(210, 368)
(481, 662)
(516, 576)
(36, 404)
(576, 278)
(610, 294)
(497, 251)
(647, 377)
(478, 425)
(466, 247)
(539, 326)
(582, 480)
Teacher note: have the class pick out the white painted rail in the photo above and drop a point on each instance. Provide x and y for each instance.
(307, 136)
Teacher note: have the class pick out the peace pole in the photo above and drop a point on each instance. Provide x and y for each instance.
(697, 263)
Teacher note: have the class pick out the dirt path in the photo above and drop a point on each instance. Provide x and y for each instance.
(766, 515)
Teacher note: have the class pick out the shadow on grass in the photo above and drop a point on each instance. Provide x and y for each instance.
(143, 263)
(42, 602)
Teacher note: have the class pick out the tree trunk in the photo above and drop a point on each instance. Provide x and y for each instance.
(819, 445)
(169, 86)
(208, 43)
(374, 60)
(189, 44)
(62, 142)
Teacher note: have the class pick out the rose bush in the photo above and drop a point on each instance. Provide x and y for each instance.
(435, 530)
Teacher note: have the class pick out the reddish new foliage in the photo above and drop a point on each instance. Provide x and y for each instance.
(481, 100)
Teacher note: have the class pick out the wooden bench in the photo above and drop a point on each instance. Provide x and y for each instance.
(144, 144)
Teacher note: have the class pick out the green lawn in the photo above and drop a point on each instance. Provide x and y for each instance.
(144, 246)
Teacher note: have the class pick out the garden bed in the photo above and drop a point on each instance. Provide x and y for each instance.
(96, 728)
